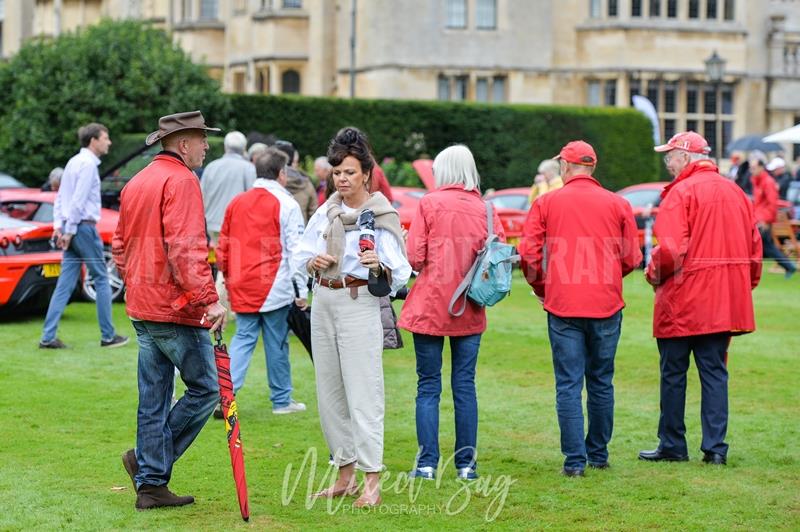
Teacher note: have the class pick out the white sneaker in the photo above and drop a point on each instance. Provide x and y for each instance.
(291, 408)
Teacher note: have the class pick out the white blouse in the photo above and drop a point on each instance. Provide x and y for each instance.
(386, 246)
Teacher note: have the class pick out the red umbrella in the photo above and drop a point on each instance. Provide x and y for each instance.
(228, 402)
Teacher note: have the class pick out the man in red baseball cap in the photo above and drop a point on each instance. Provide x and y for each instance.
(591, 240)
(707, 262)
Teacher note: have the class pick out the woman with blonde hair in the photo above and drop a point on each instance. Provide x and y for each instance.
(449, 229)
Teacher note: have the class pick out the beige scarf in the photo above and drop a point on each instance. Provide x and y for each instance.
(339, 222)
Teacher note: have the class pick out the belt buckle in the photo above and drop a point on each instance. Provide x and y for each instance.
(330, 284)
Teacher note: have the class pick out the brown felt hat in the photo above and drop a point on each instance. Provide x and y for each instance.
(178, 122)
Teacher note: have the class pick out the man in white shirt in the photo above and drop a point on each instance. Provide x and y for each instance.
(224, 178)
(75, 215)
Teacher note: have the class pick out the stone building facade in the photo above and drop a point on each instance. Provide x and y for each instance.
(572, 52)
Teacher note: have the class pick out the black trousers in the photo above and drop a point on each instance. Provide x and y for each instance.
(710, 354)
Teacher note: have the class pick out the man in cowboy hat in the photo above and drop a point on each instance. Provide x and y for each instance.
(161, 251)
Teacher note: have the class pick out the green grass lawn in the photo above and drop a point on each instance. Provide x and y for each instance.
(68, 416)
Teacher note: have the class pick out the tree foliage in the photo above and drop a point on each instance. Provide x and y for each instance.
(508, 141)
(123, 74)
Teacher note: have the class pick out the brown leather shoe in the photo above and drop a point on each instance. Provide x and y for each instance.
(158, 497)
(131, 465)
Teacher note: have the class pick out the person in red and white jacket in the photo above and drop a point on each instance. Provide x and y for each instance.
(586, 236)
(260, 232)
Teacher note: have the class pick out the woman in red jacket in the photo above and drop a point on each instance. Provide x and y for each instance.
(449, 229)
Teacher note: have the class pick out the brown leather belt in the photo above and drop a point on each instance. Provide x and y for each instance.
(336, 284)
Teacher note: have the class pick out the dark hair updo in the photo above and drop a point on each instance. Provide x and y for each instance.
(350, 141)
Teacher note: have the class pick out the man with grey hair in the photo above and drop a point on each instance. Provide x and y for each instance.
(255, 150)
(707, 262)
(223, 179)
(54, 179)
(322, 169)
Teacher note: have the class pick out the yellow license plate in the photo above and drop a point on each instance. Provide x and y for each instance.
(51, 270)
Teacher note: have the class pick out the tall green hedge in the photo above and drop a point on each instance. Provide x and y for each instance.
(508, 141)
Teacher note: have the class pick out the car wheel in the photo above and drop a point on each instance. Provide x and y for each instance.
(114, 280)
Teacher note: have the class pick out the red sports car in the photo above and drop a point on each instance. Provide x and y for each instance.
(644, 199)
(406, 201)
(36, 206)
(29, 266)
(512, 208)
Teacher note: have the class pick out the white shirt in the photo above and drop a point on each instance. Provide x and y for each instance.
(78, 197)
(291, 219)
(386, 246)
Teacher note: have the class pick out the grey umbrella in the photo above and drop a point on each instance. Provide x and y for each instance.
(750, 143)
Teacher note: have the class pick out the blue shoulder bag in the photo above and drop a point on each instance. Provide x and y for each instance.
(489, 278)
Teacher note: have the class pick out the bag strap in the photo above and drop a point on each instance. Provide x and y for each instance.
(463, 287)
(461, 291)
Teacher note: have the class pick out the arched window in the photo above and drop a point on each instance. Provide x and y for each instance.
(290, 82)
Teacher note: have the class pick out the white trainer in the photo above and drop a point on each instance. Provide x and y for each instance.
(291, 408)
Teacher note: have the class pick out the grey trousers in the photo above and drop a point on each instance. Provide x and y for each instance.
(347, 340)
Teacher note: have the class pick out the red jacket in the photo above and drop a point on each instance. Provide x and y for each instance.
(765, 197)
(708, 257)
(443, 241)
(160, 245)
(592, 243)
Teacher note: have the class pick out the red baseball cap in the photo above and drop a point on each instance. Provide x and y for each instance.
(578, 152)
(687, 141)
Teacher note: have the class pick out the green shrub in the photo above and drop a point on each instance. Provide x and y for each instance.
(123, 74)
(508, 141)
(401, 173)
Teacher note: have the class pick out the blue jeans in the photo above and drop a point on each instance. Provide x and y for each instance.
(464, 351)
(85, 248)
(274, 330)
(584, 348)
(163, 434)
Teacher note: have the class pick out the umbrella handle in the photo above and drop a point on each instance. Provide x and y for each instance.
(218, 337)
